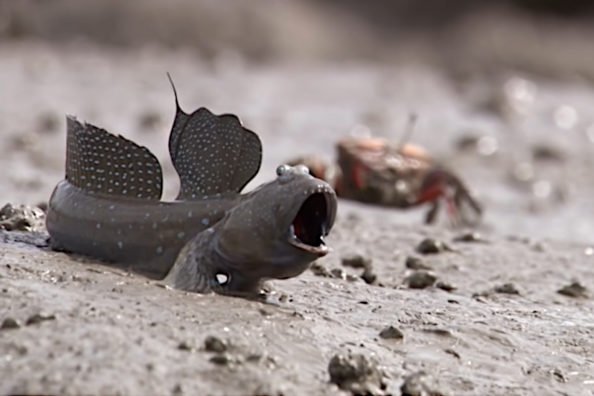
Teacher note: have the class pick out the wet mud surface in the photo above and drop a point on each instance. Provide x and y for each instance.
(505, 310)
(72, 326)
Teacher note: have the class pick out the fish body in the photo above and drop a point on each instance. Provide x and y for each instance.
(144, 235)
(212, 237)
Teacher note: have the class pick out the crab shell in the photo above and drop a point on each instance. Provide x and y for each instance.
(375, 171)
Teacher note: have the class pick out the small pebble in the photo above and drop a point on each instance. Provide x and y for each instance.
(48, 123)
(507, 288)
(214, 344)
(391, 333)
(320, 270)
(356, 261)
(184, 346)
(445, 286)
(38, 318)
(10, 323)
(416, 263)
(253, 357)
(420, 279)
(557, 374)
(368, 276)
(338, 273)
(352, 278)
(417, 384)
(543, 152)
(466, 142)
(356, 373)
(20, 218)
(438, 331)
(221, 359)
(469, 237)
(149, 120)
(178, 390)
(575, 289)
(431, 246)
(452, 352)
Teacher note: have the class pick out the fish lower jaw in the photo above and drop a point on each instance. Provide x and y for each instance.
(320, 250)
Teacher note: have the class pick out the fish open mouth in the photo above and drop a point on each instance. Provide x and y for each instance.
(313, 222)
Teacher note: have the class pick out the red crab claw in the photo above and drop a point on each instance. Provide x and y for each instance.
(441, 183)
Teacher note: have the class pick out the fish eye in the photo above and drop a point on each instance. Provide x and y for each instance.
(303, 169)
(282, 169)
(222, 278)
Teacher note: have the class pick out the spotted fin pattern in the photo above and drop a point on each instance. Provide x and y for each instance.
(212, 153)
(101, 163)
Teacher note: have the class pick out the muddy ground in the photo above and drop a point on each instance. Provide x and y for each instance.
(493, 322)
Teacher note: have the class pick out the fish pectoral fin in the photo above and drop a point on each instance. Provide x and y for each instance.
(102, 163)
(211, 153)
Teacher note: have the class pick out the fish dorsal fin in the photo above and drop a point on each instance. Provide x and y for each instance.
(102, 163)
(212, 154)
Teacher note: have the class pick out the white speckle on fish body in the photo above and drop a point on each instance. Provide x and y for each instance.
(120, 244)
(205, 221)
(181, 234)
(159, 249)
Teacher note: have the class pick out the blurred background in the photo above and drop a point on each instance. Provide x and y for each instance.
(503, 89)
(545, 35)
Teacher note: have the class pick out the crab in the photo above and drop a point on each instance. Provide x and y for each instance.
(375, 171)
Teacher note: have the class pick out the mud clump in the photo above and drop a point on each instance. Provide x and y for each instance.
(356, 261)
(445, 286)
(575, 290)
(338, 273)
(391, 333)
(320, 270)
(215, 344)
(547, 153)
(470, 237)
(418, 384)
(369, 276)
(38, 318)
(48, 123)
(21, 218)
(149, 120)
(416, 263)
(9, 323)
(420, 279)
(357, 374)
(221, 359)
(359, 261)
(184, 346)
(507, 288)
(432, 246)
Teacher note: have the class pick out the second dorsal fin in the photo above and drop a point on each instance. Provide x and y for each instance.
(212, 153)
(102, 163)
